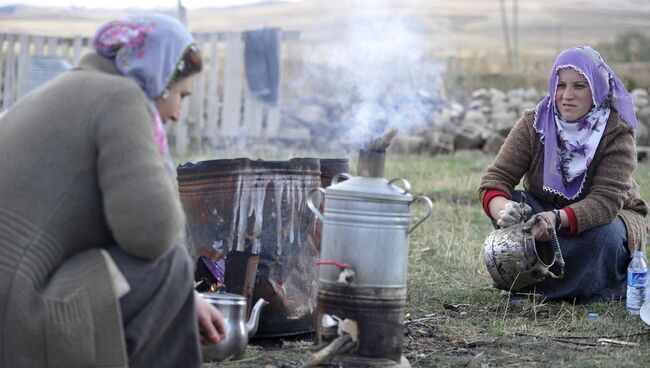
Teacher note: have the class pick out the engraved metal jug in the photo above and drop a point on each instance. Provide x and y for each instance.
(515, 260)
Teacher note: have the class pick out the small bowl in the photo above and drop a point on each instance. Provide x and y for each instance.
(645, 313)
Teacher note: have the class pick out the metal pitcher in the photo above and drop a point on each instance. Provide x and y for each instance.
(238, 330)
(515, 260)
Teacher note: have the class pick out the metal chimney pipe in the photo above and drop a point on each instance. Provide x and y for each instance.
(371, 163)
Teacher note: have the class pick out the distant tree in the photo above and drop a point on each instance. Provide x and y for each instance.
(632, 46)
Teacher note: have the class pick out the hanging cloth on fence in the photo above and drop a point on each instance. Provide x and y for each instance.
(262, 63)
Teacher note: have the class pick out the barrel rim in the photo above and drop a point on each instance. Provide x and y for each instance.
(243, 163)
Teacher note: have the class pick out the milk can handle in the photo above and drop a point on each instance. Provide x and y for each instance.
(429, 204)
(310, 203)
(405, 183)
(337, 177)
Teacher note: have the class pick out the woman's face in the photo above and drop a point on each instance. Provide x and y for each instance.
(572, 95)
(170, 108)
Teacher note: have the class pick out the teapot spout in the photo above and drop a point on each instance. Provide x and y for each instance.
(253, 320)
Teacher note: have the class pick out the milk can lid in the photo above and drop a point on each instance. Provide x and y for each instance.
(370, 188)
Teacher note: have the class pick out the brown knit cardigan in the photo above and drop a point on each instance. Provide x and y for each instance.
(609, 189)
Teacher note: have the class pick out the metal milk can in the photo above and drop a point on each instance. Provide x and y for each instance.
(364, 254)
(366, 223)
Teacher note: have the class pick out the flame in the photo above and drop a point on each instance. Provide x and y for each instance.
(214, 287)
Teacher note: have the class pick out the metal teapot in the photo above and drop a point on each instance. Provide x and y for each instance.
(515, 260)
(238, 331)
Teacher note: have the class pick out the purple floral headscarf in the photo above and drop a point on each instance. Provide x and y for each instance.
(565, 158)
(148, 50)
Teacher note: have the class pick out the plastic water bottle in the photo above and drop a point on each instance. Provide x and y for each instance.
(636, 283)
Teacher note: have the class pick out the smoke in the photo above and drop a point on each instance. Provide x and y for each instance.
(384, 71)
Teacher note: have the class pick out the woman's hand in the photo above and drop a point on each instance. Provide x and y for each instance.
(211, 324)
(544, 227)
(508, 213)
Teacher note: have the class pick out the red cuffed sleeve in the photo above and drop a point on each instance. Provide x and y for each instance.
(573, 222)
(491, 193)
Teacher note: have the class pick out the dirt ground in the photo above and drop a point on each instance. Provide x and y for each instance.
(466, 336)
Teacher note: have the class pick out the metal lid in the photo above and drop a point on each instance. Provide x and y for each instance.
(371, 188)
(223, 298)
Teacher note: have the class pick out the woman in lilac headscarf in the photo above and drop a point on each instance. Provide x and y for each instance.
(576, 154)
(91, 270)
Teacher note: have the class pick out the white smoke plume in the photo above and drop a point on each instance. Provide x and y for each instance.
(383, 67)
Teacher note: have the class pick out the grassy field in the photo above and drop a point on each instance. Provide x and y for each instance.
(454, 317)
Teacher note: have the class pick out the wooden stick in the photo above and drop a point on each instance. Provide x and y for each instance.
(343, 343)
(617, 342)
(558, 339)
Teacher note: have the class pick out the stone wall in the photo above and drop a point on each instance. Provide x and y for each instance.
(481, 124)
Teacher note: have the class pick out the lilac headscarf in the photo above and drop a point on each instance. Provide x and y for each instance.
(607, 91)
(148, 50)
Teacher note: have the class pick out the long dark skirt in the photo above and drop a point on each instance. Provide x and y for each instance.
(596, 261)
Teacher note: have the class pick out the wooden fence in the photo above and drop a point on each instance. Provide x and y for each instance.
(219, 111)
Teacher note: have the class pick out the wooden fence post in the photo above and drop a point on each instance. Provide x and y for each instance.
(3, 39)
(52, 46)
(76, 50)
(196, 117)
(23, 66)
(212, 99)
(10, 73)
(232, 94)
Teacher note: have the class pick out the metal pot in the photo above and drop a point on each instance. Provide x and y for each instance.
(362, 213)
(515, 260)
(238, 330)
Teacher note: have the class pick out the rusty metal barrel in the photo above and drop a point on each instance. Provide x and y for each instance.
(329, 167)
(253, 213)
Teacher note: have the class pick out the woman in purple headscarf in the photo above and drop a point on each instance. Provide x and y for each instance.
(91, 270)
(576, 154)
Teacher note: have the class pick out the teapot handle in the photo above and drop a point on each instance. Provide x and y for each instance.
(405, 183)
(312, 207)
(337, 177)
(554, 243)
(558, 254)
(429, 205)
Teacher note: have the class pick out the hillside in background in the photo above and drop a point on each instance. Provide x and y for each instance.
(377, 39)
(453, 26)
